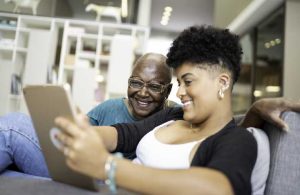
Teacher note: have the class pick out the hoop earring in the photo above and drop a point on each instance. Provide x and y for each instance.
(221, 94)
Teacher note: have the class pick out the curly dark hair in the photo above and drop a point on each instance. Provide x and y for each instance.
(209, 45)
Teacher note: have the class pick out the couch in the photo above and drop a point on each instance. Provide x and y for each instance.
(284, 175)
(283, 178)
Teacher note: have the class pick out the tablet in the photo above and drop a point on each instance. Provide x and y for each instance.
(45, 103)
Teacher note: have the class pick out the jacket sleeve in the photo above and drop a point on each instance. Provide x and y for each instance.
(232, 154)
(129, 134)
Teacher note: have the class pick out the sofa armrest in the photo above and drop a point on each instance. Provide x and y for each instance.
(284, 175)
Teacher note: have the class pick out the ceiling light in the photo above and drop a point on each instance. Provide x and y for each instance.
(272, 43)
(164, 22)
(124, 8)
(257, 93)
(273, 89)
(165, 18)
(168, 9)
(167, 14)
(267, 45)
(278, 41)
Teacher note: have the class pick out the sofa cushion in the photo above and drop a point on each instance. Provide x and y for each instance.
(261, 168)
(284, 175)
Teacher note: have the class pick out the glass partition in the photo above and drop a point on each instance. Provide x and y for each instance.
(269, 57)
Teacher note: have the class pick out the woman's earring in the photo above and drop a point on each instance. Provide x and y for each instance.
(221, 93)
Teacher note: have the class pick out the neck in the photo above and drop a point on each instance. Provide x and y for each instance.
(215, 122)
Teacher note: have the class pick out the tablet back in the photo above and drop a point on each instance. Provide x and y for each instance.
(45, 103)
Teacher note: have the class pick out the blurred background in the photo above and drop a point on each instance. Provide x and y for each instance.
(89, 46)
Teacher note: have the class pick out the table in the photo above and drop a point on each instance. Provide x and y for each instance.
(29, 186)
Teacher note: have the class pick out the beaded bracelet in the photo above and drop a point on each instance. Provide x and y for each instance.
(110, 172)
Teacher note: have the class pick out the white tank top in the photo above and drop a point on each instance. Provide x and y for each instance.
(153, 153)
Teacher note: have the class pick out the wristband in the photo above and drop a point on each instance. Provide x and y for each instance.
(110, 172)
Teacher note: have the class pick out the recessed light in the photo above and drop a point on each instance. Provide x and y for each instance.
(124, 8)
(164, 22)
(168, 9)
(273, 89)
(278, 41)
(167, 14)
(257, 93)
(165, 18)
(272, 43)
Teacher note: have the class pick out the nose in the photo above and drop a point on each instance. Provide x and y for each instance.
(143, 91)
(180, 92)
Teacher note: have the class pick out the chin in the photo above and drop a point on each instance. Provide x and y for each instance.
(187, 117)
(141, 114)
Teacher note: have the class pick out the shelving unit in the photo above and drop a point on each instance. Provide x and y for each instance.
(88, 45)
(83, 43)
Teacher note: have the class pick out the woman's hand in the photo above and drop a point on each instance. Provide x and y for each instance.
(82, 146)
(270, 109)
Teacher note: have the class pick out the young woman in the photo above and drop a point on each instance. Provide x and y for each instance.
(203, 152)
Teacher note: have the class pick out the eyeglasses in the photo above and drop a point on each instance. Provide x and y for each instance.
(152, 87)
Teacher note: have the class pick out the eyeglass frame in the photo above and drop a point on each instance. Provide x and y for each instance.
(145, 84)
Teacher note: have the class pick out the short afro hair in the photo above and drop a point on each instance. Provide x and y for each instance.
(206, 44)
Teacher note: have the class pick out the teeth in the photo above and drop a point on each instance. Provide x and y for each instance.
(187, 103)
(142, 103)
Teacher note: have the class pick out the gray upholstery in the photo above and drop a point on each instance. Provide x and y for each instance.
(283, 179)
(31, 186)
(284, 175)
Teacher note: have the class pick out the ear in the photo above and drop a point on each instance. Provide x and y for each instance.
(224, 80)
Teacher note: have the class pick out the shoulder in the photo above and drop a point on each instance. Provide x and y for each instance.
(110, 103)
(236, 139)
(233, 152)
(237, 135)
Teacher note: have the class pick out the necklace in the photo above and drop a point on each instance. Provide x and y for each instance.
(193, 128)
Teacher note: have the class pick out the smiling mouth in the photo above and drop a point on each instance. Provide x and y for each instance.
(142, 104)
(185, 104)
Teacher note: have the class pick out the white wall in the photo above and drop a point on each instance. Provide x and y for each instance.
(291, 52)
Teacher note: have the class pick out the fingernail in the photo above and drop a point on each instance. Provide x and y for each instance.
(286, 128)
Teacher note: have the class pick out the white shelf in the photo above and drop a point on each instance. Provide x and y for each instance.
(24, 30)
(104, 58)
(90, 36)
(106, 38)
(69, 67)
(6, 48)
(87, 55)
(7, 28)
(92, 44)
(21, 49)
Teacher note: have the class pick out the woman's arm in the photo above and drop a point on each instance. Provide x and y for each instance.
(85, 152)
(115, 137)
(269, 109)
(147, 180)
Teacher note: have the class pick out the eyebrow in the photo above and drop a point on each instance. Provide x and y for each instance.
(186, 74)
(155, 80)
